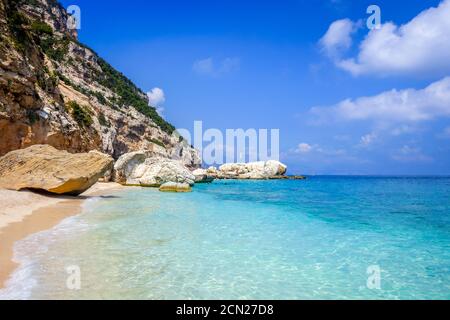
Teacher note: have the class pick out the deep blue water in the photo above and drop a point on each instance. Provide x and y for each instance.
(313, 239)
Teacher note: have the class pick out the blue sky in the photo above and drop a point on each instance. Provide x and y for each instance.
(301, 66)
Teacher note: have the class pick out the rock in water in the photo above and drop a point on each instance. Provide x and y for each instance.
(139, 168)
(201, 176)
(175, 187)
(42, 167)
(253, 170)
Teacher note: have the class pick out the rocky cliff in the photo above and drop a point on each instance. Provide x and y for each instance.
(55, 90)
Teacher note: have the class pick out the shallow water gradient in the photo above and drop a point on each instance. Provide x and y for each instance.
(312, 239)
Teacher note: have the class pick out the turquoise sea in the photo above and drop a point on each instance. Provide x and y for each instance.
(312, 239)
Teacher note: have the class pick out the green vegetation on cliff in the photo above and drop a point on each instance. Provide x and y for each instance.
(129, 94)
(16, 21)
(79, 113)
(41, 28)
(33, 34)
(157, 142)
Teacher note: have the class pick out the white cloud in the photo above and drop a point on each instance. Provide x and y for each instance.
(403, 129)
(156, 99)
(395, 106)
(205, 66)
(304, 148)
(411, 154)
(368, 139)
(210, 68)
(421, 46)
(338, 37)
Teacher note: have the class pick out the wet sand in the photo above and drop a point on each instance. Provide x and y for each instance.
(24, 213)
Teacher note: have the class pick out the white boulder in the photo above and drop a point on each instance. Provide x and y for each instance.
(202, 176)
(212, 171)
(189, 156)
(140, 168)
(252, 170)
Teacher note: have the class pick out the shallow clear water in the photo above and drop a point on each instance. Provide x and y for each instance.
(311, 239)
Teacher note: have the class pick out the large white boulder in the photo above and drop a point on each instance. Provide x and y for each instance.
(42, 167)
(199, 172)
(253, 170)
(189, 156)
(139, 168)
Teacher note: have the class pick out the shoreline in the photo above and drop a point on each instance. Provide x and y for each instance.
(25, 213)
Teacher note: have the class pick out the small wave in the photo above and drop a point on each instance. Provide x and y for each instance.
(28, 252)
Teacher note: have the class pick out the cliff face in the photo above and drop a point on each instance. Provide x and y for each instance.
(56, 91)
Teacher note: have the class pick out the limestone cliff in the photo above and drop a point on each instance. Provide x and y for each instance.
(55, 90)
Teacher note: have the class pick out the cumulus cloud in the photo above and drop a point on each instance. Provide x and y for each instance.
(156, 99)
(421, 46)
(215, 69)
(304, 148)
(318, 154)
(338, 38)
(394, 106)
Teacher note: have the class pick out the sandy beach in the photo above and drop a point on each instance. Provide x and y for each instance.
(24, 213)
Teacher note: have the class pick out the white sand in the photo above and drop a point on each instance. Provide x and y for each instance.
(16, 205)
(24, 213)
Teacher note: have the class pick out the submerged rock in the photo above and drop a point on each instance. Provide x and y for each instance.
(42, 167)
(142, 169)
(175, 187)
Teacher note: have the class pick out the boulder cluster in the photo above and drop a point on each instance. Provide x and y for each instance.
(42, 167)
(263, 170)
